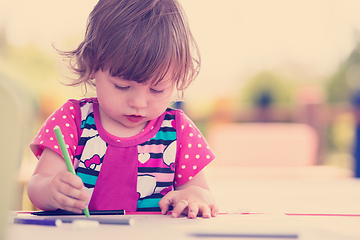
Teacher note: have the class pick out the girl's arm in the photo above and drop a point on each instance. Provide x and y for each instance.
(191, 198)
(52, 186)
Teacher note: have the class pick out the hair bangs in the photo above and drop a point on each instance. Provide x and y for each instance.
(147, 53)
(143, 41)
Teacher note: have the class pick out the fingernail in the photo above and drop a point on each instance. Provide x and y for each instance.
(78, 211)
(174, 215)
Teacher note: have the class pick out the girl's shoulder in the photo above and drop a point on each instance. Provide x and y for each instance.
(176, 116)
(174, 113)
(179, 116)
(84, 106)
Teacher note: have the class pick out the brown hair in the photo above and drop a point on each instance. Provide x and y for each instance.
(138, 40)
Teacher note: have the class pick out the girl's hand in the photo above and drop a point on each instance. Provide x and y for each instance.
(52, 186)
(193, 201)
(65, 191)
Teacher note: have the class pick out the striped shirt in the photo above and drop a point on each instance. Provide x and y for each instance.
(126, 173)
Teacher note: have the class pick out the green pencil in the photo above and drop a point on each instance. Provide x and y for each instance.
(65, 153)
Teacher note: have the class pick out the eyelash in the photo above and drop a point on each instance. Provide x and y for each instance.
(156, 91)
(127, 87)
(122, 88)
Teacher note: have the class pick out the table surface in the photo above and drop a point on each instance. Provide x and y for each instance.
(313, 207)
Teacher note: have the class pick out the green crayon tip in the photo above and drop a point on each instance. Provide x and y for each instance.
(86, 212)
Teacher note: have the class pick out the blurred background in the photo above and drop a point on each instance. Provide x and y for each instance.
(275, 61)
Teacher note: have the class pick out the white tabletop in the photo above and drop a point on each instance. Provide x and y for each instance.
(314, 207)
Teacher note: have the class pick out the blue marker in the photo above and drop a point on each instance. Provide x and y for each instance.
(46, 222)
(246, 235)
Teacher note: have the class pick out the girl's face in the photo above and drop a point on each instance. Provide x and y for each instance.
(127, 106)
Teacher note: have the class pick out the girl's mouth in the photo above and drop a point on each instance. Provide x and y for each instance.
(134, 118)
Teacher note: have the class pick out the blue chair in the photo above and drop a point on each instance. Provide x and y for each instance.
(356, 152)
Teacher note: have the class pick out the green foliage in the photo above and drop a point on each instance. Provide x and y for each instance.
(269, 84)
(341, 85)
(337, 87)
(39, 67)
(30, 67)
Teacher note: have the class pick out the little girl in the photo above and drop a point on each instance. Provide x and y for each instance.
(130, 151)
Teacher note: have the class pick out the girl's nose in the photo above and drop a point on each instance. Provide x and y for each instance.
(138, 101)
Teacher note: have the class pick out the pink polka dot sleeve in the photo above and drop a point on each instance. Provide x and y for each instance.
(64, 117)
(194, 152)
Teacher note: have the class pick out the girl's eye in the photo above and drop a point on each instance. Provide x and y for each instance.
(122, 87)
(156, 91)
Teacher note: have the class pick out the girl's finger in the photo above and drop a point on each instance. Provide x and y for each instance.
(193, 210)
(166, 202)
(179, 208)
(214, 209)
(68, 203)
(71, 180)
(71, 209)
(205, 210)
